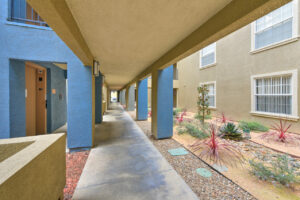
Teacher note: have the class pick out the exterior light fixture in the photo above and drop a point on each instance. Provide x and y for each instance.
(96, 68)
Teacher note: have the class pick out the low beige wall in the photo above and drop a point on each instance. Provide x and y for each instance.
(36, 172)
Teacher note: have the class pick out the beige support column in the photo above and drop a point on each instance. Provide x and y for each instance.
(126, 97)
(154, 102)
(108, 98)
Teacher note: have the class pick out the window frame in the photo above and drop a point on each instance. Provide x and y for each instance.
(295, 33)
(12, 21)
(215, 92)
(215, 57)
(294, 90)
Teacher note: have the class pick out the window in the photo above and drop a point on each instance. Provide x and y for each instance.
(275, 94)
(211, 86)
(22, 12)
(208, 55)
(275, 27)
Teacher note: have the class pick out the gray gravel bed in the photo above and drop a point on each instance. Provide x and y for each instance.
(216, 187)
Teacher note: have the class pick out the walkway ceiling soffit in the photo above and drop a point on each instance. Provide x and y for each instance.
(133, 38)
(234, 16)
(59, 17)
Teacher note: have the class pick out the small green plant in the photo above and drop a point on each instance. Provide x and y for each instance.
(230, 131)
(203, 105)
(181, 130)
(281, 170)
(193, 130)
(253, 126)
(199, 117)
(176, 111)
(259, 170)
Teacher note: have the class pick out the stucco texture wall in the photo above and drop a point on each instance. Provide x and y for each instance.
(235, 64)
(37, 171)
(39, 44)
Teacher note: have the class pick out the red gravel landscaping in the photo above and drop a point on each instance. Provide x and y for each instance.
(74, 163)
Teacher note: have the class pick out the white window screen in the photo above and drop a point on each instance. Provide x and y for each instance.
(211, 94)
(274, 95)
(275, 26)
(208, 55)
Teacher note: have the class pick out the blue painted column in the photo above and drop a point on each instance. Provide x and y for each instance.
(17, 106)
(162, 103)
(98, 99)
(142, 100)
(80, 100)
(4, 97)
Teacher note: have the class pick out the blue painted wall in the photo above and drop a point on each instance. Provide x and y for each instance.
(98, 99)
(165, 103)
(28, 42)
(17, 98)
(142, 100)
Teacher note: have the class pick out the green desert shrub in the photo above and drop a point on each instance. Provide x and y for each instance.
(176, 111)
(281, 170)
(199, 117)
(253, 126)
(230, 131)
(193, 130)
(203, 105)
(181, 129)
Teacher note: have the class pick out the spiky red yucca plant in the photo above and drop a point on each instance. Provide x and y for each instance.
(218, 150)
(280, 134)
(223, 118)
(180, 118)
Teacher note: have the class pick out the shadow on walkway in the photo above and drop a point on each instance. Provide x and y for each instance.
(125, 165)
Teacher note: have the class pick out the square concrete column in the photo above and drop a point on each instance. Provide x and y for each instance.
(142, 100)
(130, 98)
(121, 94)
(162, 103)
(98, 99)
(108, 98)
(118, 96)
(81, 86)
(122, 97)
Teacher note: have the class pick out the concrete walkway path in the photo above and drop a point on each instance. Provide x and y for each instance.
(125, 165)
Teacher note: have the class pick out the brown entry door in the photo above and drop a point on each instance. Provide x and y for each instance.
(36, 112)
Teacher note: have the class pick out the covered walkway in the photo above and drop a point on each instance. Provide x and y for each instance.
(125, 165)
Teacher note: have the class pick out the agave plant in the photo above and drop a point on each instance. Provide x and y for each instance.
(280, 133)
(217, 150)
(230, 131)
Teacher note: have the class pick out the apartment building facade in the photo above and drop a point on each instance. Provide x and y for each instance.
(43, 84)
(251, 74)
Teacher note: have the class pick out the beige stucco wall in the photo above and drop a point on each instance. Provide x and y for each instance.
(235, 65)
(36, 172)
